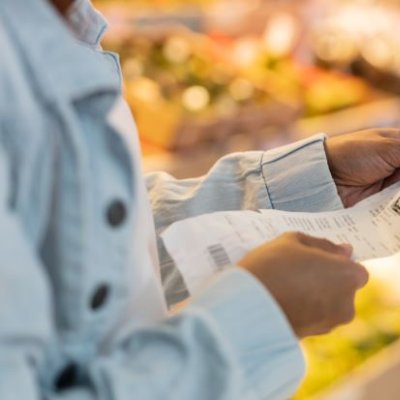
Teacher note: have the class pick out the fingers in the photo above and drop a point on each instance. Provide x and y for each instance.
(393, 133)
(394, 178)
(314, 280)
(347, 249)
(344, 249)
(359, 274)
(356, 278)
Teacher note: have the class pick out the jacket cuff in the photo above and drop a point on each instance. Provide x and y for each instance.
(297, 177)
(258, 332)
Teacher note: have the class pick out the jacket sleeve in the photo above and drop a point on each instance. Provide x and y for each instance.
(231, 343)
(292, 178)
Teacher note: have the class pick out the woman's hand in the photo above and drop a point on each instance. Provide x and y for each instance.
(363, 163)
(313, 280)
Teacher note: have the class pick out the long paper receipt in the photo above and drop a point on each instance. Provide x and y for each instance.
(204, 245)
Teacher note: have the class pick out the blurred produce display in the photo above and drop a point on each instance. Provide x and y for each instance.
(332, 356)
(189, 81)
(185, 88)
(205, 77)
(361, 38)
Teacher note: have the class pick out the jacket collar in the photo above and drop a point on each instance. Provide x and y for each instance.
(87, 23)
(62, 66)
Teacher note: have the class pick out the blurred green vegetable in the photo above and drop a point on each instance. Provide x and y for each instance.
(333, 356)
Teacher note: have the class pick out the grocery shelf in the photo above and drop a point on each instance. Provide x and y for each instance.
(197, 160)
(377, 379)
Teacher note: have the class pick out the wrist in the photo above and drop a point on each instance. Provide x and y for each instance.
(329, 151)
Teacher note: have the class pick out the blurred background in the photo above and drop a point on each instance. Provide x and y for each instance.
(209, 77)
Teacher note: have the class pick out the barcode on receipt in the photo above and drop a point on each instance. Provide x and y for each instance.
(219, 255)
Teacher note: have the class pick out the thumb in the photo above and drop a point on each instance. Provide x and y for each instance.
(347, 249)
(343, 249)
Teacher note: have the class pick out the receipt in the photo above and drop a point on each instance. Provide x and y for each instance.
(204, 245)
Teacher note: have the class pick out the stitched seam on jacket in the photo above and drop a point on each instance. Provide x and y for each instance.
(265, 180)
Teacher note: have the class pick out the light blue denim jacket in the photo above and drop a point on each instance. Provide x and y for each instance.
(73, 300)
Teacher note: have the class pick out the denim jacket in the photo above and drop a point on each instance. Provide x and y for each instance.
(82, 309)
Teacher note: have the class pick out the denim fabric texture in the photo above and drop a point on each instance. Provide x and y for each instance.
(83, 314)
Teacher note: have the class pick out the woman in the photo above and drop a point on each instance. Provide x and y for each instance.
(82, 310)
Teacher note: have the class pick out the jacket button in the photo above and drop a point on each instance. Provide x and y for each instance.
(99, 297)
(116, 213)
(67, 378)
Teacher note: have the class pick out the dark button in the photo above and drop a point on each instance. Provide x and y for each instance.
(99, 297)
(67, 378)
(116, 213)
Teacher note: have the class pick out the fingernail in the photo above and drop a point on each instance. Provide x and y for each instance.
(348, 248)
